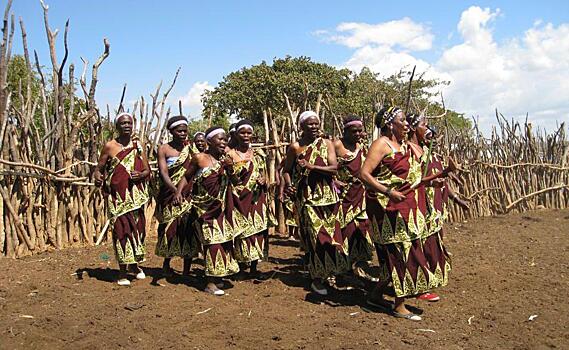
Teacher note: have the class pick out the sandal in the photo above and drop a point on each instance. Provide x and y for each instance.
(216, 292)
(123, 282)
(380, 304)
(411, 316)
(318, 290)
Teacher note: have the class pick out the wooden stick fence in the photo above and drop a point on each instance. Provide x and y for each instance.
(50, 141)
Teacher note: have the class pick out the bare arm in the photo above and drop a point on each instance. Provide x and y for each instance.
(455, 198)
(377, 151)
(163, 168)
(138, 176)
(287, 170)
(99, 171)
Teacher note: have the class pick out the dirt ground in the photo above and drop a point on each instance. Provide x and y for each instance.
(508, 290)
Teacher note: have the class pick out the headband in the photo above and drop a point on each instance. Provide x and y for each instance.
(213, 133)
(415, 119)
(199, 133)
(244, 126)
(389, 115)
(353, 122)
(124, 114)
(305, 115)
(179, 122)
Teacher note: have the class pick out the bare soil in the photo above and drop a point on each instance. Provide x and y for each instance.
(508, 290)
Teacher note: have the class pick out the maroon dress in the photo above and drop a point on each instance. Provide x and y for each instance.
(126, 200)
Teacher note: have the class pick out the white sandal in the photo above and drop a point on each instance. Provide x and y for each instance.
(123, 282)
(141, 275)
(320, 291)
(216, 292)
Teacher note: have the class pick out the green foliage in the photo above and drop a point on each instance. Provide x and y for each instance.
(249, 91)
(18, 75)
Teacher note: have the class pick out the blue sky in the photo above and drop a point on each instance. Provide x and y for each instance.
(209, 39)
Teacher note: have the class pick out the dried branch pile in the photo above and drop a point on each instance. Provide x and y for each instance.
(516, 169)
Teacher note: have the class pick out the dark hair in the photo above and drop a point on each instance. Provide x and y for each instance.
(385, 116)
(174, 119)
(378, 121)
(351, 118)
(243, 122)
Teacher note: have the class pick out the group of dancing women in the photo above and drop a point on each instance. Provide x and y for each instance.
(342, 200)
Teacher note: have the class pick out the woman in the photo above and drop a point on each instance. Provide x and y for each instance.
(175, 238)
(123, 169)
(250, 197)
(355, 224)
(199, 144)
(437, 193)
(308, 173)
(393, 177)
(209, 172)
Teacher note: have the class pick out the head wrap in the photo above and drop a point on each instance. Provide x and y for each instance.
(175, 121)
(199, 133)
(244, 123)
(214, 131)
(414, 119)
(388, 116)
(124, 114)
(305, 115)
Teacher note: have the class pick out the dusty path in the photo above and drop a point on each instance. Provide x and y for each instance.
(506, 269)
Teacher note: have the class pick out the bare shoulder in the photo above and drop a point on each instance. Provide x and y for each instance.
(295, 147)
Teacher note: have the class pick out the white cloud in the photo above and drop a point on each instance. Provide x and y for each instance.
(192, 99)
(528, 73)
(404, 33)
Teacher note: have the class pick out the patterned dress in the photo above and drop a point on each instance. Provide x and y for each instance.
(398, 228)
(318, 203)
(437, 198)
(175, 235)
(126, 200)
(210, 219)
(352, 214)
(252, 217)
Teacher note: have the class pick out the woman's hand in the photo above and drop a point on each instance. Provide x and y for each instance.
(437, 183)
(340, 184)
(461, 203)
(261, 181)
(98, 179)
(136, 175)
(178, 199)
(396, 196)
(304, 164)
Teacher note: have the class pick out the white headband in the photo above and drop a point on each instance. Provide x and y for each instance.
(245, 126)
(199, 133)
(214, 132)
(305, 115)
(124, 114)
(179, 122)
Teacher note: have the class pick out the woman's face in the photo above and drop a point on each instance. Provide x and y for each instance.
(200, 143)
(244, 135)
(124, 126)
(422, 131)
(311, 127)
(180, 133)
(354, 133)
(399, 126)
(218, 142)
